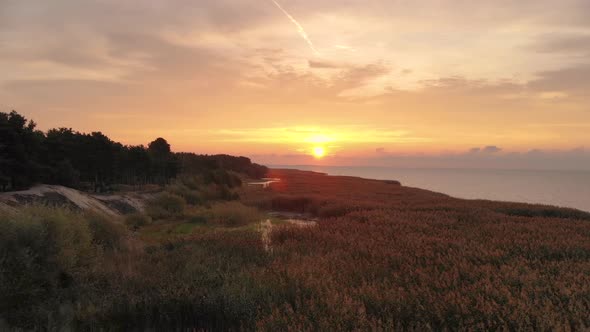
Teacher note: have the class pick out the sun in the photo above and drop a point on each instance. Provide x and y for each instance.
(319, 152)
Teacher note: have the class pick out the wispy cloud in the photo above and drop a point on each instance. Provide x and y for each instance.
(327, 64)
(313, 135)
(300, 29)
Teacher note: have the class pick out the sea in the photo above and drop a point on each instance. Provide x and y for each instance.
(551, 187)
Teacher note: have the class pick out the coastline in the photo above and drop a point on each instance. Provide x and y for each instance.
(545, 187)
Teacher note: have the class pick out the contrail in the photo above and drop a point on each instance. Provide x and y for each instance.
(300, 29)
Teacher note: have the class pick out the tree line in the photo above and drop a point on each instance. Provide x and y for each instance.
(93, 161)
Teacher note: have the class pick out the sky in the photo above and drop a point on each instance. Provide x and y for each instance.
(432, 83)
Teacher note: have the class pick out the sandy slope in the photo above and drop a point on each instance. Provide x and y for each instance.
(59, 195)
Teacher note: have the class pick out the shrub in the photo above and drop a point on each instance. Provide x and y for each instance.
(42, 253)
(190, 196)
(197, 219)
(106, 232)
(234, 214)
(192, 182)
(120, 188)
(227, 195)
(547, 212)
(223, 177)
(334, 210)
(136, 220)
(213, 192)
(166, 205)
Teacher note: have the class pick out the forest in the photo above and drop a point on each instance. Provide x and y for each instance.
(93, 161)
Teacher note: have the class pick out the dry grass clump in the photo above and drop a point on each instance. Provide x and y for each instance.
(526, 210)
(137, 220)
(191, 196)
(106, 231)
(166, 206)
(233, 214)
(45, 256)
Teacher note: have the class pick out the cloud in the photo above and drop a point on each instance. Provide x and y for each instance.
(357, 76)
(345, 48)
(326, 64)
(576, 44)
(306, 86)
(575, 79)
(491, 149)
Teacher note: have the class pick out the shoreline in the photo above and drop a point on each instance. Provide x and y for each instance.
(562, 189)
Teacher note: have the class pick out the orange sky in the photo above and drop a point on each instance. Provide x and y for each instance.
(274, 79)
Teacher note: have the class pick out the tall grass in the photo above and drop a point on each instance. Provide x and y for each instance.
(382, 257)
(44, 254)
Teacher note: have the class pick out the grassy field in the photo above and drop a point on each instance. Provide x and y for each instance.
(382, 257)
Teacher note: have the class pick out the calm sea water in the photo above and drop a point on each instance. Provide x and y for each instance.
(559, 188)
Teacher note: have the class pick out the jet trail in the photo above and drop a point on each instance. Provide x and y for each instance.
(300, 29)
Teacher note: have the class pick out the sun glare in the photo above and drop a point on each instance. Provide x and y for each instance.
(319, 152)
(319, 139)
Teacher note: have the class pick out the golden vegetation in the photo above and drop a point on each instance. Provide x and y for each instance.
(415, 260)
(382, 257)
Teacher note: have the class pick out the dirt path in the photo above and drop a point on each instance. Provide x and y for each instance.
(302, 223)
(265, 229)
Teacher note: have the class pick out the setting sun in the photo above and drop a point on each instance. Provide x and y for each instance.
(319, 152)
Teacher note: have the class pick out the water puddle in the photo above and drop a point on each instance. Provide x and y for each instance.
(265, 182)
(297, 219)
